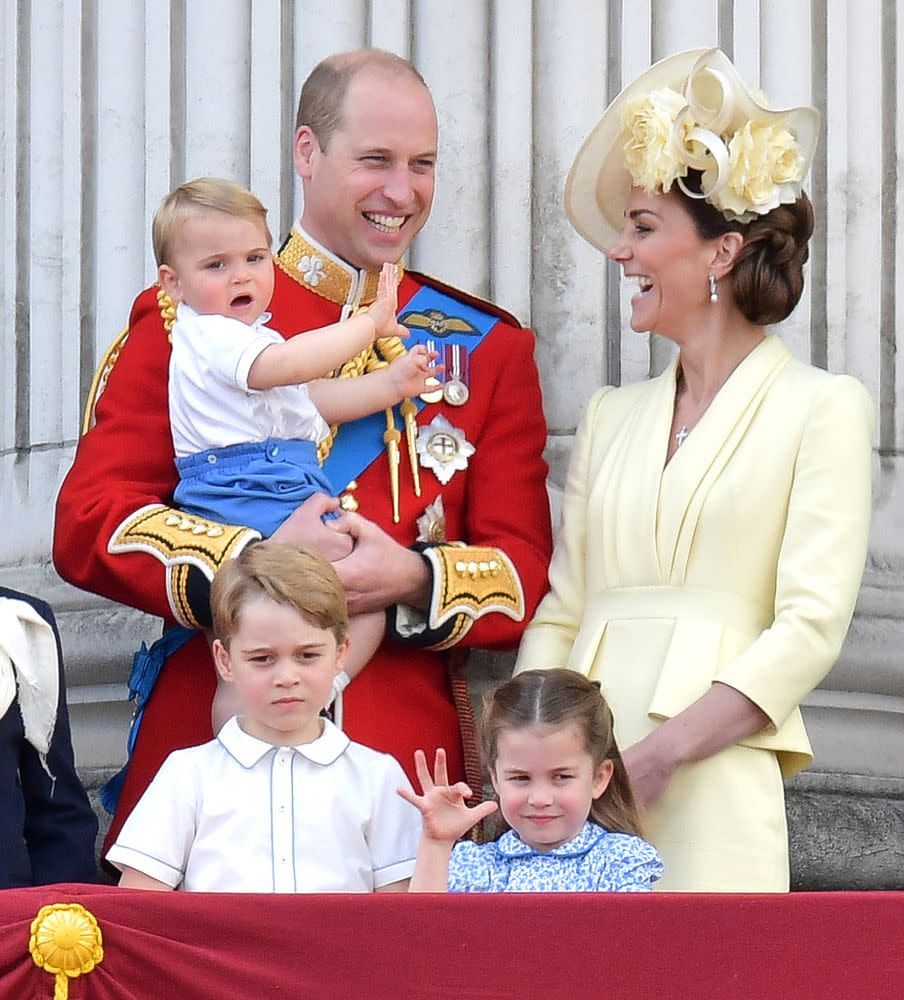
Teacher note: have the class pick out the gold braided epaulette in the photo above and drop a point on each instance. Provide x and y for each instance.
(167, 311)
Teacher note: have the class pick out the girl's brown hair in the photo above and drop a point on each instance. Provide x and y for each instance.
(561, 697)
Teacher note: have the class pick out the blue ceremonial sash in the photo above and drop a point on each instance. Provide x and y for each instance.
(361, 442)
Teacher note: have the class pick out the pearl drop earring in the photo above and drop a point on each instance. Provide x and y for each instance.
(713, 291)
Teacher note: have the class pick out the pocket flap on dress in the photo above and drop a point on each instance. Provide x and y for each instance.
(688, 669)
(587, 647)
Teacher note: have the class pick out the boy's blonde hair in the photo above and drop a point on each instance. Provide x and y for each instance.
(294, 576)
(194, 198)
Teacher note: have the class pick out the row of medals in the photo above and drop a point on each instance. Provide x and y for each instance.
(455, 389)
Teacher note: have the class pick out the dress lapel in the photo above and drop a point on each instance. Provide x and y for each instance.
(696, 466)
(627, 486)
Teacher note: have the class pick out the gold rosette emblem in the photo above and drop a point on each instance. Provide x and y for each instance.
(66, 942)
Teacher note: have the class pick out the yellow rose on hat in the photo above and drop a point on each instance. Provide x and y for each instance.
(655, 125)
(683, 114)
(766, 169)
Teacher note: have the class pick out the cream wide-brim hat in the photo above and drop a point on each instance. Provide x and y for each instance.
(599, 184)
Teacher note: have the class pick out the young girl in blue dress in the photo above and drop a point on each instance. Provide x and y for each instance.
(570, 821)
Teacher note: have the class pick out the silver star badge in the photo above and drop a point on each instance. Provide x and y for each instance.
(443, 448)
(431, 525)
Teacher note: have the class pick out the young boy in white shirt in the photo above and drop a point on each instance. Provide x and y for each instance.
(248, 407)
(281, 800)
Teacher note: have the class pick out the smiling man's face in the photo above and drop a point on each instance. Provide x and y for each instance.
(368, 194)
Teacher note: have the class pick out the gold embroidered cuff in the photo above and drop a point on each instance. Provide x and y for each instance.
(471, 581)
(180, 541)
(460, 627)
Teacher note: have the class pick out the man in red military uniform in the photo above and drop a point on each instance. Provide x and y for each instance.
(451, 532)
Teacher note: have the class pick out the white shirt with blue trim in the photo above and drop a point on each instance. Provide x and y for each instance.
(240, 815)
(593, 861)
(211, 404)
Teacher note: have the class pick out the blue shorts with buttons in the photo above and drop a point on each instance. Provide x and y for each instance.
(258, 484)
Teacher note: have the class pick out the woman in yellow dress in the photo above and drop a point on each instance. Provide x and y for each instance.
(716, 518)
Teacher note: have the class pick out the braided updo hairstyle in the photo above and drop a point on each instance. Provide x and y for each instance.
(767, 279)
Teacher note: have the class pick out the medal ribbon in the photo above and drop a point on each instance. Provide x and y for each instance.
(360, 442)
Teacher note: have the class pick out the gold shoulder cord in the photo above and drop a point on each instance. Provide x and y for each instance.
(377, 355)
(167, 311)
(371, 359)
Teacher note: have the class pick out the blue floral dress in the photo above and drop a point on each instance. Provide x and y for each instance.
(593, 861)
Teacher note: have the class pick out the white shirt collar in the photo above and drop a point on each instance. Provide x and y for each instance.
(248, 750)
(184, 311)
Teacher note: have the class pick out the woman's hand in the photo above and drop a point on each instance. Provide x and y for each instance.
(442, 806)
(649, 771)
(718, 719)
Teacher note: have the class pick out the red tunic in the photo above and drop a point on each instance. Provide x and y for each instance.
(402, 700)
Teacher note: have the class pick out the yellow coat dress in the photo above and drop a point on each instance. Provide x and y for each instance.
(739, 561)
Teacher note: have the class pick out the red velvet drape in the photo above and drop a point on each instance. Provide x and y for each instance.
(175, 946)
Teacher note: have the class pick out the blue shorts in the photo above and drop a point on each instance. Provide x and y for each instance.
(257, 484)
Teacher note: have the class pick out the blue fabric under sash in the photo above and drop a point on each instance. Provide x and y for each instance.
(146, 666)
(360, 442)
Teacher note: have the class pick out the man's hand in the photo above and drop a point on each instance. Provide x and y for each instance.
(305, 527)
(379, 572)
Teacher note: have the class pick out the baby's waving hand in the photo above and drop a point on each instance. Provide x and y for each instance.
(411, 370)
(384, 307)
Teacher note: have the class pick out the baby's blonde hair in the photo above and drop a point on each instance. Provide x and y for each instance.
(194, 198)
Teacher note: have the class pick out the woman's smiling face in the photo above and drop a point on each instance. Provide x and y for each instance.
(660, 250)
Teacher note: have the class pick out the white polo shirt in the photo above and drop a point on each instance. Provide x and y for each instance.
(240, 815)
(210, 402)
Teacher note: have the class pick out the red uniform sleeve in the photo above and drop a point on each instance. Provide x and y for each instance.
(506, 504)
